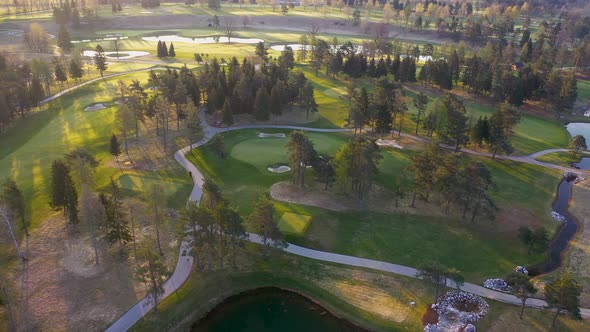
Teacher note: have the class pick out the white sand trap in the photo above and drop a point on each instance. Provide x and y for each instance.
(112, 55)
(95, 107)
(388, 143)
(146, 12)
(267, 135)
(279, 169)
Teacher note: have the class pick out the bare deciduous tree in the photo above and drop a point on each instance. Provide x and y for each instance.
(228, 28)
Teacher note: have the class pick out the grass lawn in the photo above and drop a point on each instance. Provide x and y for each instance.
(294, 223)
(404, 239)
(560, 158)
(583, 90)
(29, 148)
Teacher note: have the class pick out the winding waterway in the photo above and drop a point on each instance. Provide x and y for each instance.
(270, 310)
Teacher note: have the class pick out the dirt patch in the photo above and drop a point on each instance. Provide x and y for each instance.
(579, 252)
(380, 199)
(509, 220)
(60, 287)
(376, 293)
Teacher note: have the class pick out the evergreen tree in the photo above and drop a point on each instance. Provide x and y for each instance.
(262, 105)
(420, 103)
(522, 286)
(63, 38)
(100, 60)
(75, 69)
(227, 116)
(115, 147)
(164, 50)
(262, 219)
(301, 153)
(159, 49)
(118, 227)
(562, 294)
(60, 74)
(171, 52)
(152, 271)
(15, 202)
(261, 51)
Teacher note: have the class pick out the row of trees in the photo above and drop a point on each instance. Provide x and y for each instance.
(163, 51)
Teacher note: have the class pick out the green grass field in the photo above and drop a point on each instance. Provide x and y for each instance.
(29, 148)
(294, 223)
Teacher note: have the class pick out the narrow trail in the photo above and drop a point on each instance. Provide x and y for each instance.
(185, 262)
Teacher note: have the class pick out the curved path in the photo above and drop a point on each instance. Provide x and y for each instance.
(184, 265)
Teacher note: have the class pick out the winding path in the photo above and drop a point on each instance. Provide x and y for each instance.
(185, 262)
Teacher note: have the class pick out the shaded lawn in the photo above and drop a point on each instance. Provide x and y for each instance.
(33, 143)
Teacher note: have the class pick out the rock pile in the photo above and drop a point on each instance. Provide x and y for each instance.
(457, 312)
(498, 285)
(521, 269)
(557, 217)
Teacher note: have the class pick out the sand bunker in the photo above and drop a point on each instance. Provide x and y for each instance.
(267, 135)
(389, 143)
(95, 107)
(278, 169)
(202, 40)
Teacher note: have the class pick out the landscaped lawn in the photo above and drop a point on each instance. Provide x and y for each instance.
(403, 239)
(29, 148)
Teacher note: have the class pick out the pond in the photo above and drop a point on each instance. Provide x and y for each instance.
(579, 128)
(271, 309)
(202, 40)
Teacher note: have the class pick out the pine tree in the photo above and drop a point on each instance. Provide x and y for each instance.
(100, 60)
(115, 147)
(159, 49)
(63, 191)
(562, 294)
(262, 218)
(164, 49)
(227, 116)
(118, 227)
(75, 69)
(60, 74)
(63, 38)
(171, 52)
(262, 105)
(15, 201)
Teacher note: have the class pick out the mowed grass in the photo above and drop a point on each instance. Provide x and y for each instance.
(29, 148)
(294, 223)
(559, 158)
(242, 174)
(397, 238)
(412, 240)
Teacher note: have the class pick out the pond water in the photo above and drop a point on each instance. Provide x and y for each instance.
(584, 164)
(270, 310)
(202, 40)
(579, 128)
(566, 232)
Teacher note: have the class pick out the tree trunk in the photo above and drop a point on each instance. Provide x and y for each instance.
(555, 317)
(133, 233)
(157, 221)
(522, 307)
(413, 200)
